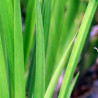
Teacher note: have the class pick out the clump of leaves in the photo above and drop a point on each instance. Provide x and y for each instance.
(32, 61)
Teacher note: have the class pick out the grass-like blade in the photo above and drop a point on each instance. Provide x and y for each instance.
(29, 30)
(78, 47)
(4, 44)
(54, 35)
(31, 75)
(5, 57)
(72, 86)
(6, 17)
(12, 3)
(4, 93)
(6, 14)
(40, 55)
(18, 53)
(52, 85)
(47, 16)
(67, 36)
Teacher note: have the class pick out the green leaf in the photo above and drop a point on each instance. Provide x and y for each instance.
(78, 47)
(5, 57)
(47, 17)
(4, 93)
(40, 55)
(52, 3)
(52, 85)
(18, 53)
(72, 86)
(54, 35)
(7, 21)
(66, 35)
(6, 14)
(29, 30)
(12, 3)
(31, 75)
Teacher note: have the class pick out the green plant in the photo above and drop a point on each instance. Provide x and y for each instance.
(32, 61)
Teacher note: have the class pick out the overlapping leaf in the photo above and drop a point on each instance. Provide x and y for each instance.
(40, 55)
(18, 53)
(78, 47)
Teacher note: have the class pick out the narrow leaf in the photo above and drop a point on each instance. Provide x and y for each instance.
(47, 17)
(72, 85)
(31, 75)
(67, 36)
(52, 85)
(4, 93)
(54, 35)
(78, 47)
(40, 55)
(6, 17)
(18, 53)
(29, 30)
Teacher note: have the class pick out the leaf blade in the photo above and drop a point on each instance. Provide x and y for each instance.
(29, 30)
(72, 85)
(52, 85)
(18, 53)
(78, 47)
(4, 93)
(40, 55)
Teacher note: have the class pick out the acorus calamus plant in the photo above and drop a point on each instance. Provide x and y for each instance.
(31, 61)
